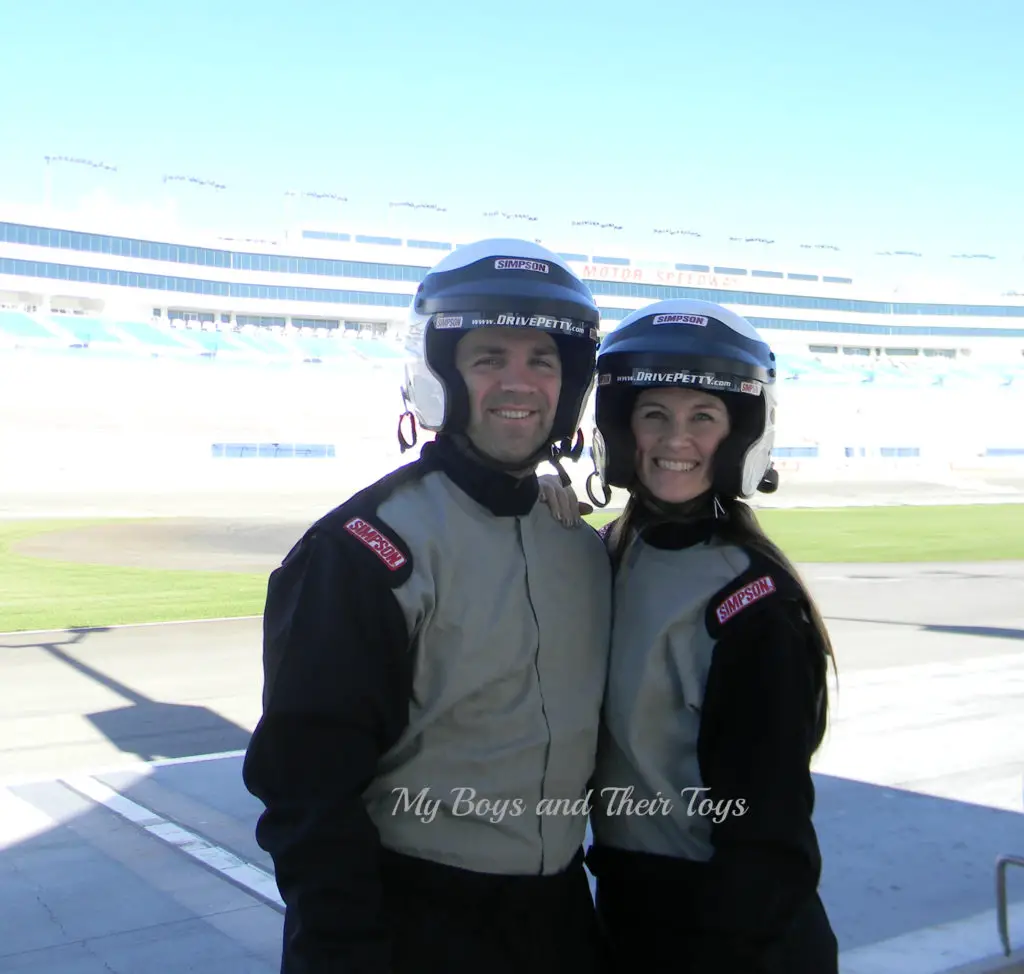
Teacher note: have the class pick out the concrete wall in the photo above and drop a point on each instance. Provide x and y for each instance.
(71, 423)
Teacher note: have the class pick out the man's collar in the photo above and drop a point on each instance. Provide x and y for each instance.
(501, 493)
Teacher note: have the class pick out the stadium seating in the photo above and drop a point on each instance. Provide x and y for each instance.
(86, 330)
(128, 400)
(17, 324)
(113, 337)
(55, 332)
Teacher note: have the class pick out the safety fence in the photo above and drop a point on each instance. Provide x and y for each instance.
(279, 451)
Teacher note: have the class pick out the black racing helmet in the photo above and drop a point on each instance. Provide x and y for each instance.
(689, 344)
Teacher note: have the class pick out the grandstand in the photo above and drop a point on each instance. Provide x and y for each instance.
(146, 353)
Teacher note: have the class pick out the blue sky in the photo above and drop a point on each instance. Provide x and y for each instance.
(875, 125)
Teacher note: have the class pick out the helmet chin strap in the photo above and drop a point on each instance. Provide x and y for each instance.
(514, 467)
(702, 507)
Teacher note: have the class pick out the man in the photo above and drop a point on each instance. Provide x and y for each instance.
(435, 653)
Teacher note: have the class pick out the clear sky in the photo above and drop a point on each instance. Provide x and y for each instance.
(867, 124)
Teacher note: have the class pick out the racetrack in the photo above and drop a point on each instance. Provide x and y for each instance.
(881, 616)
(919, 781)
(258, 489)
(197, 544)
(886, 618)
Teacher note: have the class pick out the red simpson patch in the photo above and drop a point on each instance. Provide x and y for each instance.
(381, 546)
(747, 595)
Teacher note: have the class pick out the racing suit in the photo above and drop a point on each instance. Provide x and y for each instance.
(711, 718)
(435, 653)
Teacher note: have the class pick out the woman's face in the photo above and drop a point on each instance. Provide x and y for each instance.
(677, 432)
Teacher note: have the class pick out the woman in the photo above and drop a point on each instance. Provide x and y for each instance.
(705, 854)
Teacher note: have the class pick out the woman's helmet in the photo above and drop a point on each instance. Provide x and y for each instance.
(498, 283)
(694, 345)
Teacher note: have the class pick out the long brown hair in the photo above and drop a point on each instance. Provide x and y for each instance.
(738, 526)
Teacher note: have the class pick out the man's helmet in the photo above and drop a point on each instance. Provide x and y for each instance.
(498, 284)
(694, 345)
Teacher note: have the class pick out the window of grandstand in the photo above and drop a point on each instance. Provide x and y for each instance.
(315, 322)
(617, 261)
(185, 285)
(823, 349)
(723, 296)
(160, 282)
(902, 351)
(899, 451)
(580, 258)
(855, 328)
(264, 321)
(615, 314)
(369, 327)
(320, 295)
(273, 263)
(429, 244)
(792, 452)
(854, 350)
(383, 241)
(326, 235)
(776, 274)
(731, 271)
(206, 257)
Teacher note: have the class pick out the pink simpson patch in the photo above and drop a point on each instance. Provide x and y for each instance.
(381, 546)
(747, 595)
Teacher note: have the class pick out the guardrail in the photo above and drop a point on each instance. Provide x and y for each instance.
(238, 451)
(1002, 907)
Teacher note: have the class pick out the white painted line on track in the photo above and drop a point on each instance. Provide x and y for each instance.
(934, 950)
(141, 767)
(128, 625)
(215, 857)
(116, 802)
(865, 579)
(931, 950)
(20, 820)
(193, 759)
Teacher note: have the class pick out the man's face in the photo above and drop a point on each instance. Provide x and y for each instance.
(513, 377)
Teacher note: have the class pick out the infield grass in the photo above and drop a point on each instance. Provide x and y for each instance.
(981, 532)
(37, 593)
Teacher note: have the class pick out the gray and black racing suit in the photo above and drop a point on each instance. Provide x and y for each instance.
(435, 653)
(705, 854)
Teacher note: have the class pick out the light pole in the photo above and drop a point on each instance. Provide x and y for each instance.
(394, 207)
(291, 195)
(66, 160)
(511, 217)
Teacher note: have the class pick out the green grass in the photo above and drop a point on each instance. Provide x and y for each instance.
(37, 593)
(983, 532)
